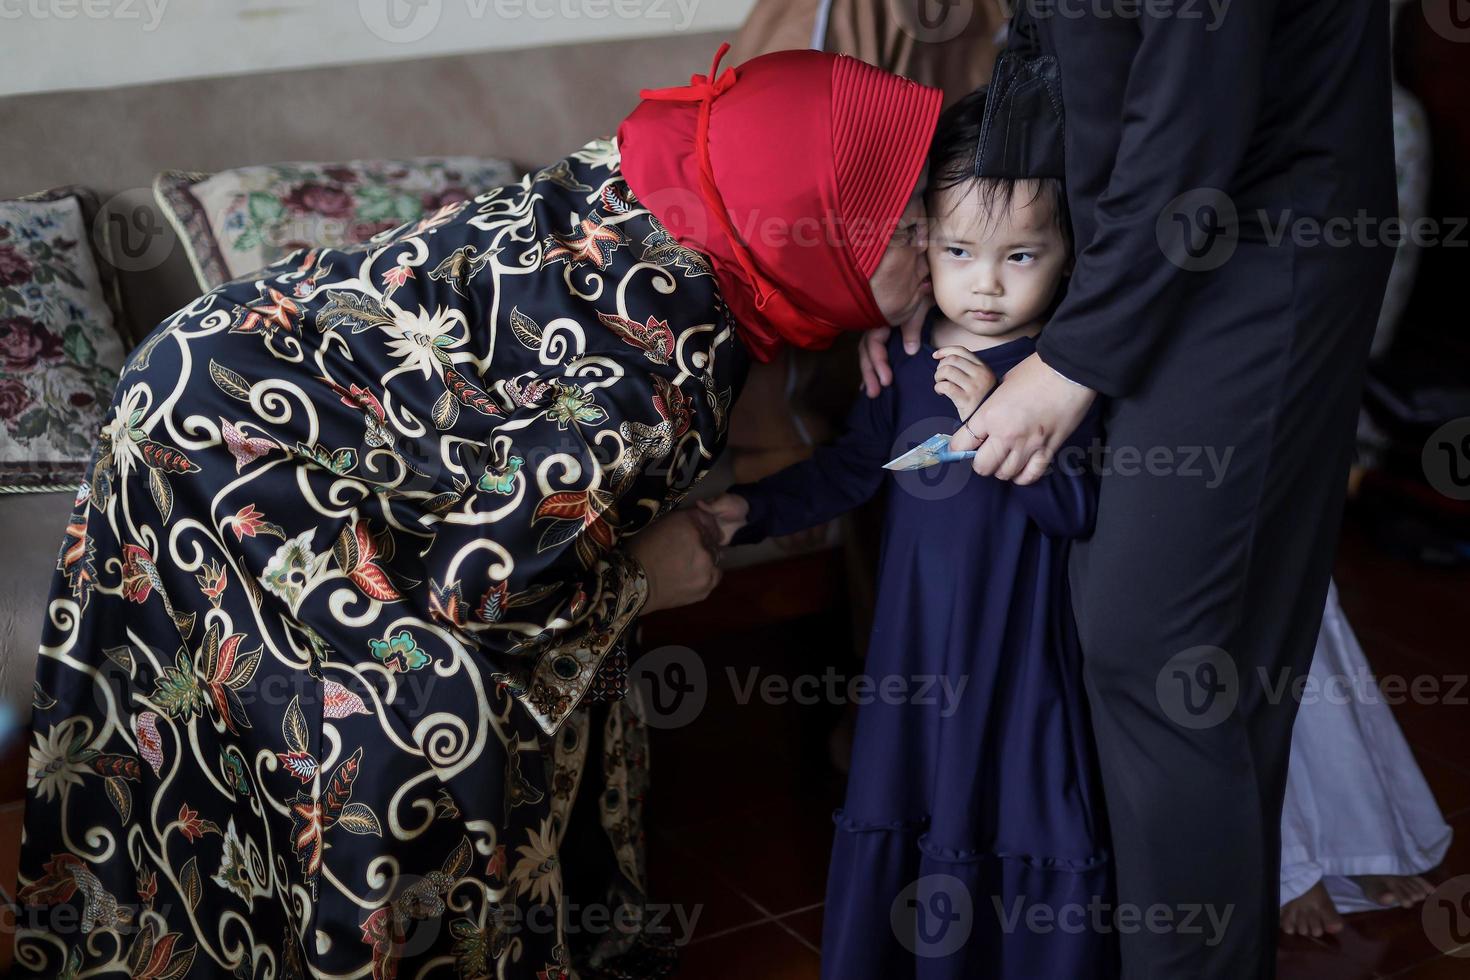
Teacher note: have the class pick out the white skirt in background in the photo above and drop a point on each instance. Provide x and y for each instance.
(1356, 802)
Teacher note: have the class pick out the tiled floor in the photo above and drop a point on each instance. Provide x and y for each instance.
(739, 812)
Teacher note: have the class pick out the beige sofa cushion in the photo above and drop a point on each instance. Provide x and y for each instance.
(60, 352)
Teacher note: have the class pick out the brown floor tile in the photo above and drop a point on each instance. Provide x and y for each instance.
(715, 783)
(1444, 725)
(1303, 958)
(1394, 941)
(1445, 968)
(1388, 655)
(679, 878)
(1457, 859)
(1386, 942)
(1366, 574)
(766, 952)
(1449, 781)
(808, 924)
(1423, 621)
(742, 750)
(1382, 590)
(698, 781)
(779, 861)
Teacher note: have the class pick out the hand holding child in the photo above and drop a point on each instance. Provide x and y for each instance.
(962, 378)
(730, 511)
(679, 558)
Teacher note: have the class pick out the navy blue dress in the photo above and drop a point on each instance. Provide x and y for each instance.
(973, 840)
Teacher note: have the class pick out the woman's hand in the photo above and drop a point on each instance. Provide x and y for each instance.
(730, 511)
(678, 554)
(962, 378)
(873, 350)
(873, 359)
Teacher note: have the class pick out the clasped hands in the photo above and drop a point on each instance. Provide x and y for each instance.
(1017, 430)
(680, 555)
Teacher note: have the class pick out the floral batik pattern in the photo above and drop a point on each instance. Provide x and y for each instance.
(345, 567)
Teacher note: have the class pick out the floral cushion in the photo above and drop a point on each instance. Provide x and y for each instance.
(60, 351)
(237, 221)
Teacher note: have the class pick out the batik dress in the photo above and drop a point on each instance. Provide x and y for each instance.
(347, 565)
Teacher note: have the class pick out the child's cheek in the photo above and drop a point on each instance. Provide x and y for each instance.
(946, 292)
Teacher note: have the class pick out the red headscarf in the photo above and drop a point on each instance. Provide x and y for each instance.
(791, 173)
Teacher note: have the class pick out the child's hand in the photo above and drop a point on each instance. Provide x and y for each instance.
(730, 510)
(962, 378)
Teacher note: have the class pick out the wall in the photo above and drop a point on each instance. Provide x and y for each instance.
(50, 45)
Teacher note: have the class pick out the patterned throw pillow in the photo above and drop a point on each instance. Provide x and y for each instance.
(237, 221)
(60, 351)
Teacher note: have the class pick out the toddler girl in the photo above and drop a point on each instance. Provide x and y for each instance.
(972, 841)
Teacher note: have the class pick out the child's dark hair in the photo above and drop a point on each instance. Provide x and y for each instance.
(952, 164)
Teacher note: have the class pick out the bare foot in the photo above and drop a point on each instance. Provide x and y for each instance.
(1311, 914)
(1402, 891)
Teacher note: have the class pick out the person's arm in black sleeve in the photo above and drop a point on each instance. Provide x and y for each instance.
(1190, 109)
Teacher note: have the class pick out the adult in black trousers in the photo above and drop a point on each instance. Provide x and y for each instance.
(1229, 169)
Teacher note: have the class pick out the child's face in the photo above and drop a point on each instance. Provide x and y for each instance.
(994, 274)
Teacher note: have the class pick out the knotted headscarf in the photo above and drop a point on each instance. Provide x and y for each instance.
(791, 173)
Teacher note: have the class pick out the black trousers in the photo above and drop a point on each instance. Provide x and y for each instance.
(1199, 599)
